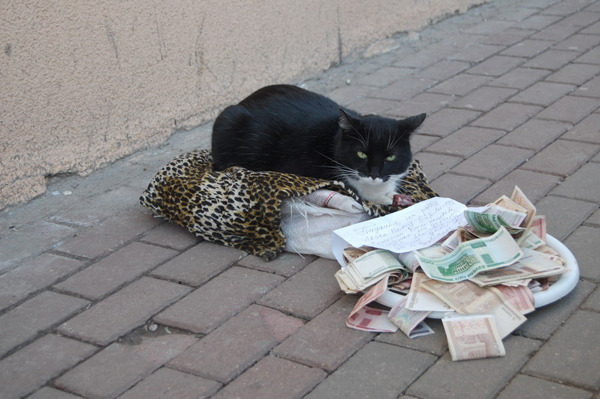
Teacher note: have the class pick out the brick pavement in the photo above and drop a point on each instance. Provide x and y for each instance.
(98, 299)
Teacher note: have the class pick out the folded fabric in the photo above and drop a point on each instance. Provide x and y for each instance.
(241, 208)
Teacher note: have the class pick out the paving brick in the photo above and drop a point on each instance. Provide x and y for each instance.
(593, 302)
(535, 134)
(420, 59)
(460, 188)
(51, 393)
(285, 264)
(570, 109)
(109, 235)
(583, 243)
(556, 32)
(250, 335)
(404, 89)
(507, 116)
(31, 240)
(166, 383)
(562, 157)
(493, 162)
(118, 367)
(443, 70)
(496, 65)
(527, 48)
(579, 43)
(117, 269)
(536, 388)
(447, 120)
(568, 356)
(35, 315)
(448, 379)
(508, 37)
(594, 220)
(576, 74)
(436, 344)
(520, 78)
(346, 95)
(273, 378)
(587, 130)
(466, 141)
(383, 76)
(489, 27)
(171, 235)
(377, 106)
(589, 89)
(221, 298)
(123, 311)
(325, 341)
(563, 215)
(538, 22)
(34, 275)
(593, 29)
(551, 59)
(535, 185)
(477, 52)
(422, 103)
(591, 57)
(543, 93)
(419, 142)
(394, 368)
(583, 184)
(544, 322)
(460, 84)
(484, 98)
(28, 369)
(199, 263)
(316, 279)
(434, 165)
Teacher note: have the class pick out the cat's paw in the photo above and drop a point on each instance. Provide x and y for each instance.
(385, 199)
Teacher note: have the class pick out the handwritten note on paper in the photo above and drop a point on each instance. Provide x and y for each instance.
(415, 227)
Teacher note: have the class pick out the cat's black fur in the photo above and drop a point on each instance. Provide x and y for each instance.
(288, 129)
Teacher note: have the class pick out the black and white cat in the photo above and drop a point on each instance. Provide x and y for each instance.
(288, 129)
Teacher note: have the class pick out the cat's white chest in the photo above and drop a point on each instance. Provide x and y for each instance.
(376, 190)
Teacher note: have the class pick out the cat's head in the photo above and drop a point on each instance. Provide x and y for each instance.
(374, 147)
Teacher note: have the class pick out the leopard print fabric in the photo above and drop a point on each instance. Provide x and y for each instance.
(242, 208)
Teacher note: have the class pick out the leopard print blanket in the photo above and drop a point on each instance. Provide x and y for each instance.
(242, 208)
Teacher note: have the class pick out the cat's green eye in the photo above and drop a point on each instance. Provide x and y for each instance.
(361, 155)
(390, 158)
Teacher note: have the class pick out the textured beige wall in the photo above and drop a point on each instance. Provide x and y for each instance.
(85, 83)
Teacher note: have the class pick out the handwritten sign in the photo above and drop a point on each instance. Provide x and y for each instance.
(415, 227)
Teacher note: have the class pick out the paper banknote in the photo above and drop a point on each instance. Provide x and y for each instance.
(472, 337)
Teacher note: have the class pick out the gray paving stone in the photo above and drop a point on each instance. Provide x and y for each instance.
(536, 388)
(171, 235)
(575, 74)
(493, 162)
(419, 142)
(594, 220)
(460, 188)
(249, 335)
(579, 43)
(33, 275)
(466, 141)
(496, 65)
(507, 116)
(51, 393)
(460, 84)
(568, 356)
(477, 52)
(443, 70)
(538, 22)
(556, 32)
(31, 240)
(346, 95)
(166, 383)
(591, 57)
(291, 296)
(383, 76)
(551, 59)
(28, 369)
(109, 235)
(118, 367)
(535, 185)
(542, 323)
(477, 379)
(590, 88)
(434, 165)
(377, 106)
(285, 264)
(325, 341)
(121, 267)
(123, 311)
(527, 48)
(273, 378)
(583, 243)
(508, 37)
(447, 120)
(391, 370)
(436, 344)
(489, 27)
(593, 302)
(404, 89)
(421, 103)
(199, 263)
(562, 157)
(221, 298)
(583, 184)
(587, 130)
(543, 93)
(35, 315)
(535, 134)
(563, 215)
(485, 98)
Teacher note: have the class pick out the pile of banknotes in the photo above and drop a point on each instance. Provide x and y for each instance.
(481, 278)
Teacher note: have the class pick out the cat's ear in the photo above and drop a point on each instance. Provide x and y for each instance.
(413, 122)
(346, 121)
